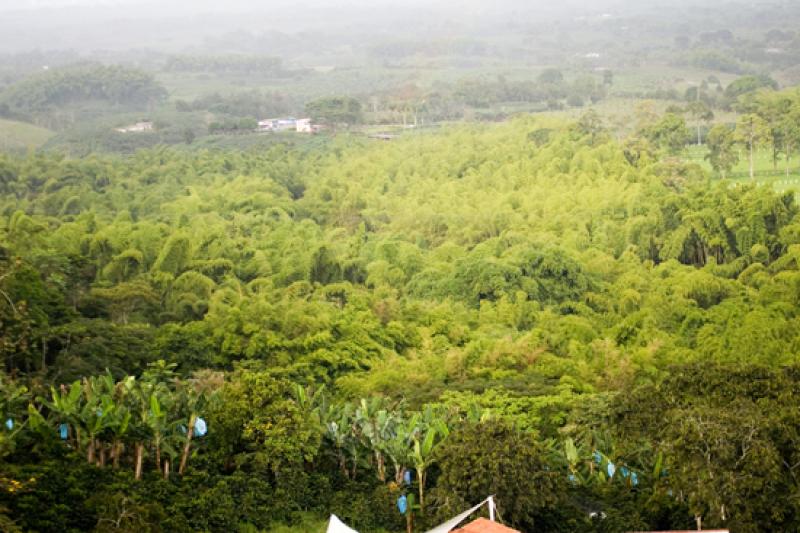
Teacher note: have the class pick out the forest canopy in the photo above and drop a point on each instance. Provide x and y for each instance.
(530, 277)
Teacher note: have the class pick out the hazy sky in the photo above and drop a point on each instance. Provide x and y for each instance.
(184, 25)
(170, 25)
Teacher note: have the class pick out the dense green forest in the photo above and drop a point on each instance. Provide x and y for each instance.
(549, 253)
(623, 330)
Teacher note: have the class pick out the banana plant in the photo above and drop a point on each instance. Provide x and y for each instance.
(157, 422)
(398, 449)
(141, 431)
(118, 430)
(13, 398)
(427, 430)
(65, 405)
(171, 445)
(313, 403)
(98, 414)
(192, 402)
(376, 426)
(338, 425)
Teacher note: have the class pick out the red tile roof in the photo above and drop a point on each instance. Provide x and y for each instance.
(482, 525)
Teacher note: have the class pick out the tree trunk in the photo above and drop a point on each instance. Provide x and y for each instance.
(381, 466)
(398, 473)
(90, 451)
(166, 469)
(116, 449)
(421, 479)
(188, 446)
(752, 170)
(102, 457)
(699, 521)
(158, 454)
(354, 458)
(139, 458)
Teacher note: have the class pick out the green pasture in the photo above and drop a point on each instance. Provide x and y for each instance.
(16, 136)
(659, 76)
(766, 172)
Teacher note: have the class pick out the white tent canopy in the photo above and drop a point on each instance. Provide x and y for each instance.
(453, 522)
(336, 526)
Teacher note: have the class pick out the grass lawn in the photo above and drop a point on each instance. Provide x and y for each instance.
(766, 173)
(660, 76)
(17, 136)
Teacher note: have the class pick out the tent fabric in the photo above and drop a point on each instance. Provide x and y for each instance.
(337, 526)
(453, 522)
(482, 525)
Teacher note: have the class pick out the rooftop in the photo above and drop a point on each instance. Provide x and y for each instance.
(482, 525)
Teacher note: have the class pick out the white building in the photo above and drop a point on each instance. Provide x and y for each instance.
(299, 125)
(303, 125)
(278, 124)
(139, 127)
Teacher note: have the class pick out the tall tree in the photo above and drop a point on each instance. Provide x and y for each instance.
(752, 131)
(479, 459)
(669, 133)
(701, 114)
(722, 152)
(335, 110)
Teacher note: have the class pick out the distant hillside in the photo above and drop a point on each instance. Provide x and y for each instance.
(62, 97)
(15, 136)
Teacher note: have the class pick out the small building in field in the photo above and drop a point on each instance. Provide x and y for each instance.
(482, 525)
(139, 127)
(299, 125)
(277, 124)
(303, 125)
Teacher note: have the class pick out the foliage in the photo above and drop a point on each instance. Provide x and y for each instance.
(335, 110)
(514, 468)
(46, 96)
(343, 314)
